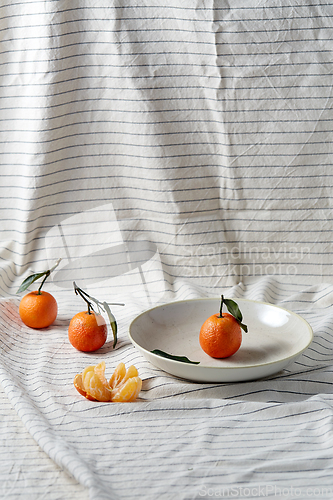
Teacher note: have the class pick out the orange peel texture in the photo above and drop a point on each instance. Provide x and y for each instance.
(123, 387)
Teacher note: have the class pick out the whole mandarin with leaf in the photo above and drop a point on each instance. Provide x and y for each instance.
(221, 334)
(38, 309)
(88, 330)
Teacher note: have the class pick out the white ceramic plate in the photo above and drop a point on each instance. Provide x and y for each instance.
(275, 338)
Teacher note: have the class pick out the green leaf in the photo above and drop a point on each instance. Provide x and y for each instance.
(34, 277)
(113, 322)
(29, 280)
(235, 312)
(233, 309)
(182, 359)
(243, 327)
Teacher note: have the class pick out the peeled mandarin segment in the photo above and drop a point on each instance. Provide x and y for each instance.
(121, 375)
(130, 373)
(88, 369)
(95, 388)
(125, 384)
(117, 375)
(100, 372)
(78, 384)
(86, 379)
(128, 392)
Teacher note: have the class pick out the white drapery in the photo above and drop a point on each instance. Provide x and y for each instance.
(166, 152)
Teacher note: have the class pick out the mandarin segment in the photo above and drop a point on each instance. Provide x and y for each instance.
(88, 369)
(128, 391)
(93, 385)
(95, 388)
(117, 375)
(130, 373)
(78, 384)
(124, 385)
(100, 372)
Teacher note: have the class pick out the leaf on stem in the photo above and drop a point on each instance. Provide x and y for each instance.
(36, 276)
(235, 312)
(113, 322)
(100, 305)
(29, 280)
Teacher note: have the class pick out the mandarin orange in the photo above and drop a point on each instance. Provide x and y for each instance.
(38, 309)
(87, 331)
(220, 337)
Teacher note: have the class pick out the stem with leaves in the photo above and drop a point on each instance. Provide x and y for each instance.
(233, 310)
(36, 276)
(104, 306)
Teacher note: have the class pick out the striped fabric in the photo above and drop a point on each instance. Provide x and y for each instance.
(165, 151)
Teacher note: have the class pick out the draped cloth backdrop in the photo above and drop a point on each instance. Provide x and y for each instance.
(165, 151)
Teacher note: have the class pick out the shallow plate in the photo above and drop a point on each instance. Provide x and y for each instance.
(275, 338)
